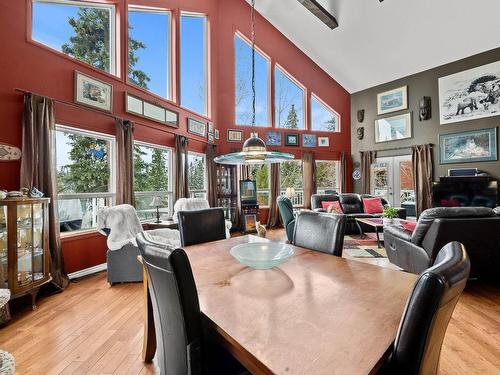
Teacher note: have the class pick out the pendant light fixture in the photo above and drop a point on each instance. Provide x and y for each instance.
(254, 149)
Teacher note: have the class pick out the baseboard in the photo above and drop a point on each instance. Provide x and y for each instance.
(88, 271)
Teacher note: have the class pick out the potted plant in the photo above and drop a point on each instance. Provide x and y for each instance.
(390, 213)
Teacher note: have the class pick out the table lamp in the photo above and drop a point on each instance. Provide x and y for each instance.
(290, 192)
(157, 203)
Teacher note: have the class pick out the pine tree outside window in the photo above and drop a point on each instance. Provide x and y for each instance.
(83, 30)
(152, 178)
(291, 177)
(327, 175)
(85, 169)
(323, 118)
(197, 175)
(289, 99)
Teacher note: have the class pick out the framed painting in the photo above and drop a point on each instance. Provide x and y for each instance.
(393, 128)
(468, 147)
(197, 127)
(93, 92)
(234, 135)
(273, 139)
(151, 111)
(471, 94)
(217, 134)
(323, 141)
(291, 139)
(392, 100)
(309, 140)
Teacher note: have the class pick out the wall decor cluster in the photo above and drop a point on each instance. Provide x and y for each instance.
(393, 128)
(196, 127)
(392, 100)
(323, 141)
(470, 94)
(93, 92)
(273, 138)
(309, 140)
(469, 146)
(234, 135)
(291, 139)
(151, 111)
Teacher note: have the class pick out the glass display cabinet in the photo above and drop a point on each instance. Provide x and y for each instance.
(227, 195)
(24, 245)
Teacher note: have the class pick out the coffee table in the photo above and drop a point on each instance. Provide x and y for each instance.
(374, 222)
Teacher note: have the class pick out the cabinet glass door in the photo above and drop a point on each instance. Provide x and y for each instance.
(3, 246)
(24, 244)
(38, 260)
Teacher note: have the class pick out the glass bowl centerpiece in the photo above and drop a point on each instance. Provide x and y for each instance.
(262, 255)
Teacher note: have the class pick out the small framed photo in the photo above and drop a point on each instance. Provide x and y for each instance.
(210, 138)
(323, 141)
(392, 100)
(210, 127)
(393, 128)
(309, 140)
(291, 139)
(234, 135)
(217, 135)
(273, 138)
(197, 127)
(93, 92)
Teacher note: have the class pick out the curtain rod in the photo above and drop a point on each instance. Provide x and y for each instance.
(70, 104)
(397, 148)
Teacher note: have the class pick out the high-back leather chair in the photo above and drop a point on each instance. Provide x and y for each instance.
(285, 207)
(320, 232)
(417, 347)
(201, 226)
(175, 305)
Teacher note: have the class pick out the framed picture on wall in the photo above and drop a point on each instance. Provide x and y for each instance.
(93, 92)
(323, 141)
(216, 134)
(197, 127)
(291, 139)
(234, 135)
(309, 140)
(152, 111)
(468, 147)
(273, 139)
(392, 100)
(393, 128)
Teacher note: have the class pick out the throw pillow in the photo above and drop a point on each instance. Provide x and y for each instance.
(408, 225)
(332, 209)
(334, 204)
(373, 205)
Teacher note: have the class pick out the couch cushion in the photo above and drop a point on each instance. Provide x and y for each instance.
(351, 203)
(372, 205)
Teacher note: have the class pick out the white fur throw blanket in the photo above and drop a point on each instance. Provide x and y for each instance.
(121, 225)
(189, 204)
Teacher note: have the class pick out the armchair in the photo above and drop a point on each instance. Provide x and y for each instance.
(285, 208)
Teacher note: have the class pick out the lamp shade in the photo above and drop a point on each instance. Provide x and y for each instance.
(290, 192)
(156, 202)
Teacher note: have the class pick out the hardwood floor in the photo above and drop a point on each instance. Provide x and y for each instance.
(92, 328)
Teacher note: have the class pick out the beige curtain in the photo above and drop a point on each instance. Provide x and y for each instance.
(211, 175)
(309, 176)
(422, 177)
(273, 219)
(181, 189)
(37, 169)
(125, 165)
(343, 173)
(367, 159)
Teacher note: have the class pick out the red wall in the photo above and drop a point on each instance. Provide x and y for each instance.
(28, 65)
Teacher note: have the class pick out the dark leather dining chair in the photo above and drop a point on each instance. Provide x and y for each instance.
(200, 226)
(417, 347)
(320, 232)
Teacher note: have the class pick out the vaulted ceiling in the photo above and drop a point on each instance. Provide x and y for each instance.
(380, 42)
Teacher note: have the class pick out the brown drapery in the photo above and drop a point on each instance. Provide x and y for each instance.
(210, 154)
(181, 189)
(367, 159)
(37, 169)
(422, 177)
(343, 173)
(309, 176)
(125, 165)
(273, 219)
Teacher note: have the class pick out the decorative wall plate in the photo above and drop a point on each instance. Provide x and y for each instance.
(9, 152)
(356, 174)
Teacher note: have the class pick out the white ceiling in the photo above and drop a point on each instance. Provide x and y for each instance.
(380, 42)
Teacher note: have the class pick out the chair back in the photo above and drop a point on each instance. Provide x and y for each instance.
(285, 208)
(417, 347)
(176, 308)
(320, 232)
(201, 226)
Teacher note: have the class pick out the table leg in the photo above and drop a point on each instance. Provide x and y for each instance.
(378, 237)
(361, 233)
(149, 343)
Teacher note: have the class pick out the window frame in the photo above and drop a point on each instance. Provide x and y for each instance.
(206, 57)
(169, 192)
(170, 34)
(111, 194)
(240, 35)
(313, 95)
(114, 65)
(337, 172)
(205, 175)
(304, 98)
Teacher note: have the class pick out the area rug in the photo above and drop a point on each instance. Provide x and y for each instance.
(366, 252)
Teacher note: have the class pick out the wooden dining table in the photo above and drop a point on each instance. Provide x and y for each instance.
(314, 314)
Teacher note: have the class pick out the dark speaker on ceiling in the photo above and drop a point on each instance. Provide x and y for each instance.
(315, 8)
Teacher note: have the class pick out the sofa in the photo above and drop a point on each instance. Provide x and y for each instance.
(352, 206)
(477, 228)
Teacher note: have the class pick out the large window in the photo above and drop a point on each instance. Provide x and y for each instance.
(197, 175)
(152, 178)
(83, 30)
(288, 101)
(327, 175)
(323, 118)
(291, 177)
(243, 81)
(194, 62)
(85, 176)
(149, 50)
(260, 172)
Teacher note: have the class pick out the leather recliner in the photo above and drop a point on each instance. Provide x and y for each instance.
(285, 208)
(477, 228)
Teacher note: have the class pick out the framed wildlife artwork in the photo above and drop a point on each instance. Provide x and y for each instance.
(471, 94)
(468, 147)
(392, 101)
